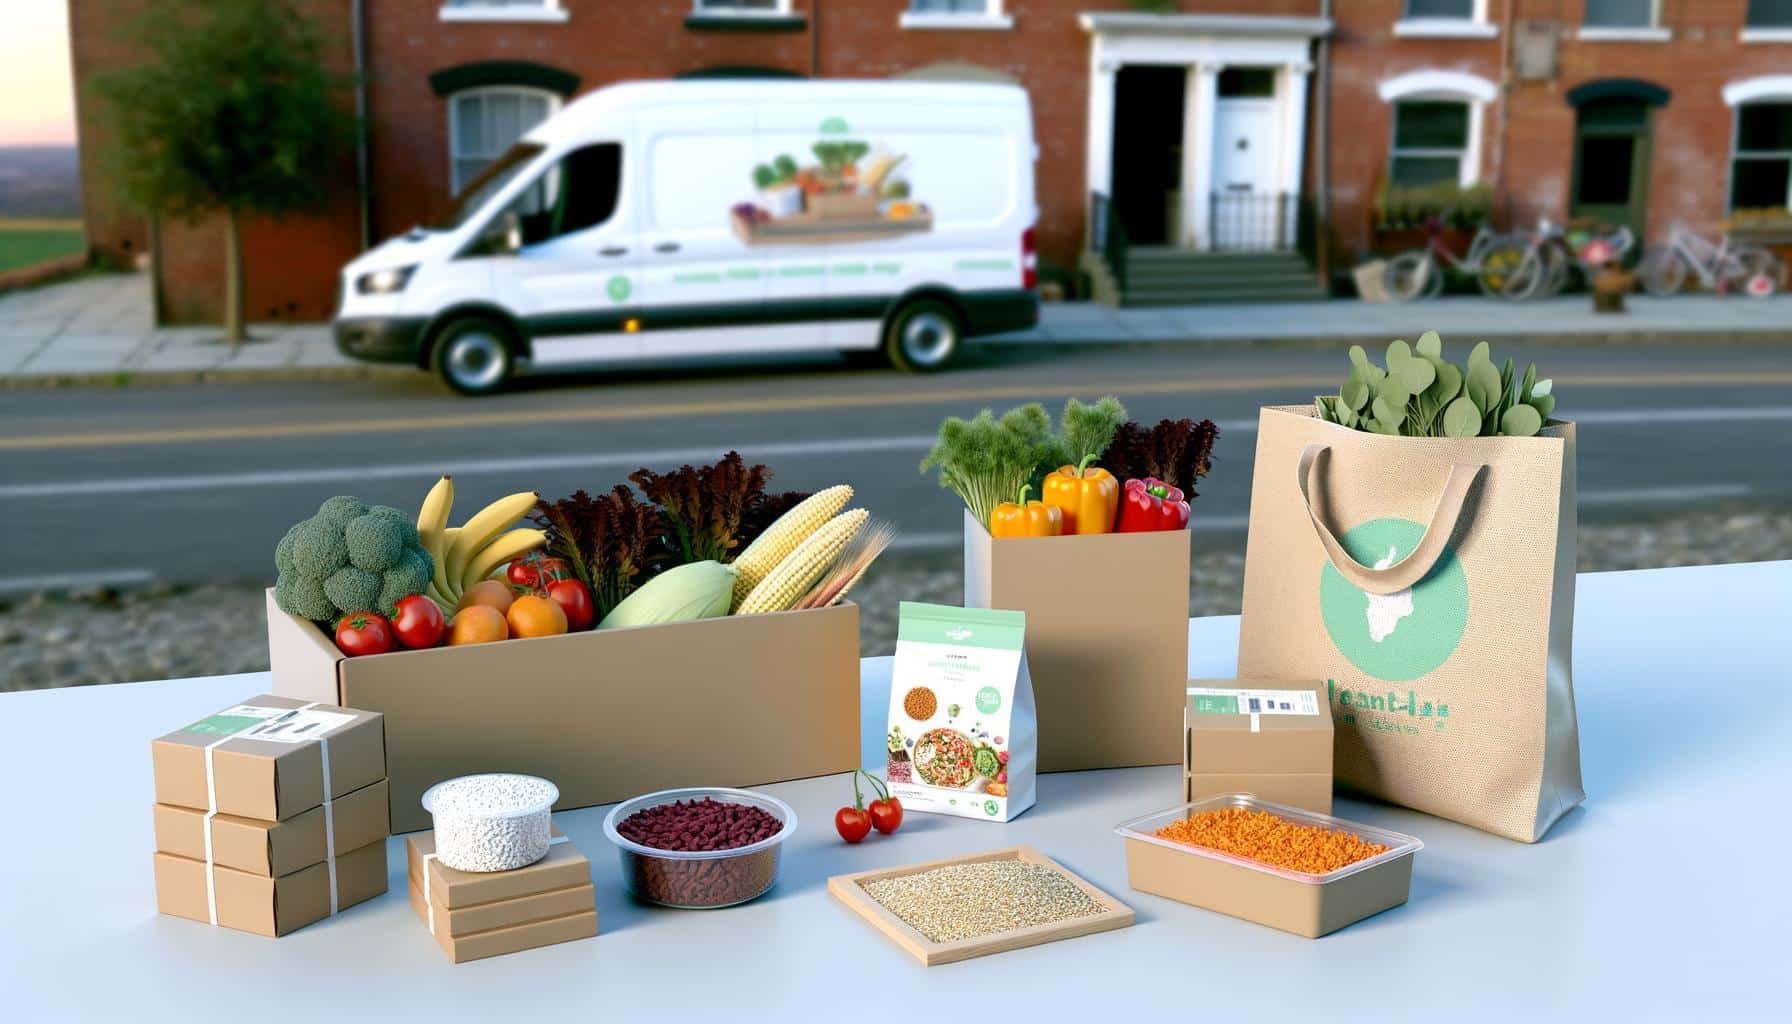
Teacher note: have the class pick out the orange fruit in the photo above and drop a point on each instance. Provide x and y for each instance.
(492, 593)
(531, 615)
(477, 624)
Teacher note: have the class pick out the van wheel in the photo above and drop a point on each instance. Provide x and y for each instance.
(923, 336)
(472, 355)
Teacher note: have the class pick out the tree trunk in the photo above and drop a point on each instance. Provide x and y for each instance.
(233, 279)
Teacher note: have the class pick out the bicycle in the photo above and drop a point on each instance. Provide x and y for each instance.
(1550, 254)
(1719, 266)
(1419, 273)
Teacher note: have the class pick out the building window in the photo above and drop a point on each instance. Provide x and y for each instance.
(1620, 13)
(742, 8)
(484, 123)
(1431, 143)
(502, 10)
(984, 14)
(1247, 83)
(1761, 173)
(1769, 14)
(1445, 19)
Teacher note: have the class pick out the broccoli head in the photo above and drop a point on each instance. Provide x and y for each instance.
(349, 557)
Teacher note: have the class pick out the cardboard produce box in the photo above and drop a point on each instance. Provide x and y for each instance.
(1269, 738)
(1107, 638)
(269, 906)
(473, 915)
(740, 700)
(275, 848)
(267, 761)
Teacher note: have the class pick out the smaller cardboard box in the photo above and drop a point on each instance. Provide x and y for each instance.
(475, 915)
(269, 906)
(275, 848)
(452, 889)
(267, 757)
(1269, 738)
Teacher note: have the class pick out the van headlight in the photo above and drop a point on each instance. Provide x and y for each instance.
(384, 282)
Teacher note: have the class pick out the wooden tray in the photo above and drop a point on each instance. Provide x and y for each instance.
(807, 229)
(849, 889)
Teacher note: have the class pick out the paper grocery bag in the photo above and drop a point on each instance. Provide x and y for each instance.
(1430, 582)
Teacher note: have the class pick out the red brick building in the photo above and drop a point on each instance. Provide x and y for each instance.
(1220, 123)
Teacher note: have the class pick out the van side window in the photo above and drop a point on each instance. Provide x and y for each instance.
(578, 192)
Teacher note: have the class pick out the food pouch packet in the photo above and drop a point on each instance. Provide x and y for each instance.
(964, 735)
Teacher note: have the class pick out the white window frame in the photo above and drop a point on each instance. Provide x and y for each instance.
(1653, 32)
(1451, 86)
(1475, 26)
(1764, 34)
(994, 17)
(454, 155)
(542, 11)
(1764, 89)
(703, 9)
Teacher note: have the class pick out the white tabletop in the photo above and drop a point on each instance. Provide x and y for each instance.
(1665, 895)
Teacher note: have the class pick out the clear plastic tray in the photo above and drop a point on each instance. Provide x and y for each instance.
(676, 878)
(1398, 844)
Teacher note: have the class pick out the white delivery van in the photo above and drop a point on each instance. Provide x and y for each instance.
(652, 220)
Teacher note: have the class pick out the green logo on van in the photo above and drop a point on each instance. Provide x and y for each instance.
(1397, 636)
(619, 288)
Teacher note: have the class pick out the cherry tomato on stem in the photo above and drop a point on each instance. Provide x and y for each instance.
(853, 823)
(535, 570)
(886, 810)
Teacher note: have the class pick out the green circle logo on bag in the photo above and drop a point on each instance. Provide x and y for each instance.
(1397, 636)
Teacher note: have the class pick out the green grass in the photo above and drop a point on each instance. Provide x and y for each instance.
(24, 243)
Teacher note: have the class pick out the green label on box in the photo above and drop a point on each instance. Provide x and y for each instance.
(231, 721)
(1213, 704)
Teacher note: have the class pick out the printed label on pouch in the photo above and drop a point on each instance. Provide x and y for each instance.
(1213, 701)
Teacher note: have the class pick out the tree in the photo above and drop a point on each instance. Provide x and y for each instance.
(231, 112)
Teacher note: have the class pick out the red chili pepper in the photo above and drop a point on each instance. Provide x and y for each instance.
(853, 823)
(1149, 505)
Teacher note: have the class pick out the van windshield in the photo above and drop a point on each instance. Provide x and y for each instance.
(489, 181)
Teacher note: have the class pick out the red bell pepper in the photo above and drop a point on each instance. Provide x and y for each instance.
(1150, 504)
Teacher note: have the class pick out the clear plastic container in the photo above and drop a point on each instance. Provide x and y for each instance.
(700, 879)
(495, 821)
(1296, 901)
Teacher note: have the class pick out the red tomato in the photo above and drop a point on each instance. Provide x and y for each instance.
(364, 633)
(535, 569)
(852, 823)
(419, 622)
(574, 598)
(886, 815)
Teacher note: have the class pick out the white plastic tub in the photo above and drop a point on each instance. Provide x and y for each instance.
(491, 822)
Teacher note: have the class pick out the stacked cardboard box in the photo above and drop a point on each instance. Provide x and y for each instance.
(475, 915)
(1269, 738)
(271, 815)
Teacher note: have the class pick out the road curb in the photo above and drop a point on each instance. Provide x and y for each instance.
(129, 378)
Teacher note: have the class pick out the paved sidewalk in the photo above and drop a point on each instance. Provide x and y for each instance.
(96, 329)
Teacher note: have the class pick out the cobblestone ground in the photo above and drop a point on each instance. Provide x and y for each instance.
(51, 640)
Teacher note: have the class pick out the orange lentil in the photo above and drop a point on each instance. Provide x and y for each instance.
(1263, 837)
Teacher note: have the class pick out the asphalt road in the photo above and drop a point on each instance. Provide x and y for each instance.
(196, 483)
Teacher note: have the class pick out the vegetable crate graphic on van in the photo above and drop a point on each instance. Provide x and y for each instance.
(836, 199)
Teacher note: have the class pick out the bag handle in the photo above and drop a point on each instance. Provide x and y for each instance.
(1419, 562)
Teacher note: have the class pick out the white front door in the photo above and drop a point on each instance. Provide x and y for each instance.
(1246, 210)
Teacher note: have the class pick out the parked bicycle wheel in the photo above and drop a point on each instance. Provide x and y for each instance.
(1555, 270)
(1526, 279)
(1412, 275)
(1663, 271)
(1503, 258)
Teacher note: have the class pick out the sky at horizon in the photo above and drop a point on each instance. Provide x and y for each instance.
(37, 102)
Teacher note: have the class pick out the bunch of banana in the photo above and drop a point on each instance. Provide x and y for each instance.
(472, 551)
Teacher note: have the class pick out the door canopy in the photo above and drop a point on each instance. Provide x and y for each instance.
(1618, 89)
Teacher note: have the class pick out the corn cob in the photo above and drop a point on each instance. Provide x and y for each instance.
(783, 536)
(797, 572)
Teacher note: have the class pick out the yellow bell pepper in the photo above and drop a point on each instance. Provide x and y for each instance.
(1088, 498)
(1023, 518)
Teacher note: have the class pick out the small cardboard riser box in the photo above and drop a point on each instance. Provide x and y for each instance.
(1269, 738)
(740, 700)
(473, 916)
(269, 906)
(275, 848)
(1107, 638)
